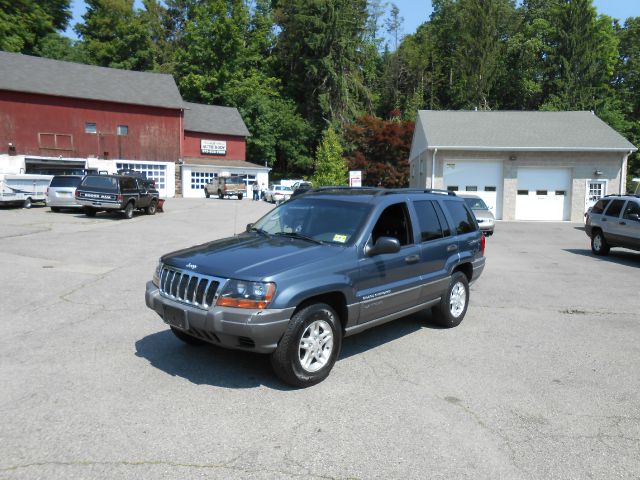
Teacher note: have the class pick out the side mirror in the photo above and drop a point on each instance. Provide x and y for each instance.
(383, 245)
(249, 226)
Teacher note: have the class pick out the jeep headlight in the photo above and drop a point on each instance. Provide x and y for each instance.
(241, 294)
(156, 275)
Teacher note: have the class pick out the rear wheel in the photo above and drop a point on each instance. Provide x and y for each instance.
(128, 211)
(453, 305)
(599, 245)
(186, 338)
(220, 195)
(89, 212)
(151, 209)
(27, 203)
(239, 196)
(310, 346)
(55, 209)
(206, 193)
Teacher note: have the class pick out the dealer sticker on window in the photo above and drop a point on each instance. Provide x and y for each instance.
(339, 238)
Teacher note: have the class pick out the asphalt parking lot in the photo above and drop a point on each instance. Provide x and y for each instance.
(541, 380)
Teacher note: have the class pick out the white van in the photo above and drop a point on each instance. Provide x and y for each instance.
(23, 189)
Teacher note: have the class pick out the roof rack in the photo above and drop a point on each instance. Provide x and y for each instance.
(419, 190)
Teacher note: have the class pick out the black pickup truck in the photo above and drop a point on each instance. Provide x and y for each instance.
(116, 193)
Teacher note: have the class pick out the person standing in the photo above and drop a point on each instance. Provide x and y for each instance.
(255, 191)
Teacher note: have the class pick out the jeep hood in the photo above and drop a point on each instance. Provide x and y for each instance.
(249, 256)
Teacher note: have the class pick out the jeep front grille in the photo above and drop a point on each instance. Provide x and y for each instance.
(188, 287)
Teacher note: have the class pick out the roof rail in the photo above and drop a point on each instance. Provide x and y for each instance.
(419, 190)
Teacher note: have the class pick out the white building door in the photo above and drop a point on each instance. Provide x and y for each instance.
(596, 189)
(543, 194)
(483, 178)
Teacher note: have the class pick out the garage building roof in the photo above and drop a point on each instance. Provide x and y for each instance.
(23, 73)
(514, 131)
(214, 119)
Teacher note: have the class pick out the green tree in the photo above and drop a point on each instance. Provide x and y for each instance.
(331, 167)
(582, 58)
(25, 23)
(319, 51)
(59, 47)
(210, 50)
(115, 35)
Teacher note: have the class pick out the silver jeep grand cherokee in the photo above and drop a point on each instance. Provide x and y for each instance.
(614, 221)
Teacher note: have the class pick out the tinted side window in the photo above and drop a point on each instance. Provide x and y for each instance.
(430, 228)
(633, 208)
(394, 222)
(128, 183)
(443, 220)
(600, 206)
(615, 207)
(462, 217)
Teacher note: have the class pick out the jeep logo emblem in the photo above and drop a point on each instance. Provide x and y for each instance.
(191, 266)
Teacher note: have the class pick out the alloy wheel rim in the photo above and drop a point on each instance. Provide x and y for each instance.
(316, 346)
(597, 242)
(457, 299)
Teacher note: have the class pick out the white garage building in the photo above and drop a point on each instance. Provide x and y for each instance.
(525, 165)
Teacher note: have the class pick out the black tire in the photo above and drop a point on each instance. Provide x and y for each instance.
(599, 245)
(186, 338)
(128, 211)
(151, 209)
(239, 196)
(89, 212)
(27, 203)
(55, 209)
(286, 361)
(220, 195)
(450, 312)
(206, 193)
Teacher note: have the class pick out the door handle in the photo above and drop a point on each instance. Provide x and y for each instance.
(452, 248)
(623, 223)
(412, 259)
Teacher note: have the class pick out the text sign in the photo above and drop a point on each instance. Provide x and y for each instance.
(355, 178)
(213, 147)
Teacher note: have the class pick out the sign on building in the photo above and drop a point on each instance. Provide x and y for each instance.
(213, 147)
(355, 178)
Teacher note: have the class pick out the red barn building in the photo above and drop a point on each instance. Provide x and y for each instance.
(62, 117)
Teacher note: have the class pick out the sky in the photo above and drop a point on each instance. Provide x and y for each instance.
(416, 12)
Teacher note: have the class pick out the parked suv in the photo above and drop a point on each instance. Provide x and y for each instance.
(62, 192)
(614, 221)
(322, 266)
(116, 193)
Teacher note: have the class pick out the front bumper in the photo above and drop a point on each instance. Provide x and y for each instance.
(235, 328)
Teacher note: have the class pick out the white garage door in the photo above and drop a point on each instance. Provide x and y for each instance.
(543, 194)
(483, 178)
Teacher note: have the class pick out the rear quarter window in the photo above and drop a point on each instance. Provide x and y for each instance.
(430, 228)
(463, 219)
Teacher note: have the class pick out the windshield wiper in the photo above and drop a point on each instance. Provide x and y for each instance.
(259, 230)
(299, 236)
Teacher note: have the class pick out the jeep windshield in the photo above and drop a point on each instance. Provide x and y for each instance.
(317, 220)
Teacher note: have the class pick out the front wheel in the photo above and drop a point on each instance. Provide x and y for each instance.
(27, 203)
(453, 305)
(310, 346)
(89, 212)
(599, 245)
(151, 209)
(220, 194)
(239, 196)
(206, 193)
